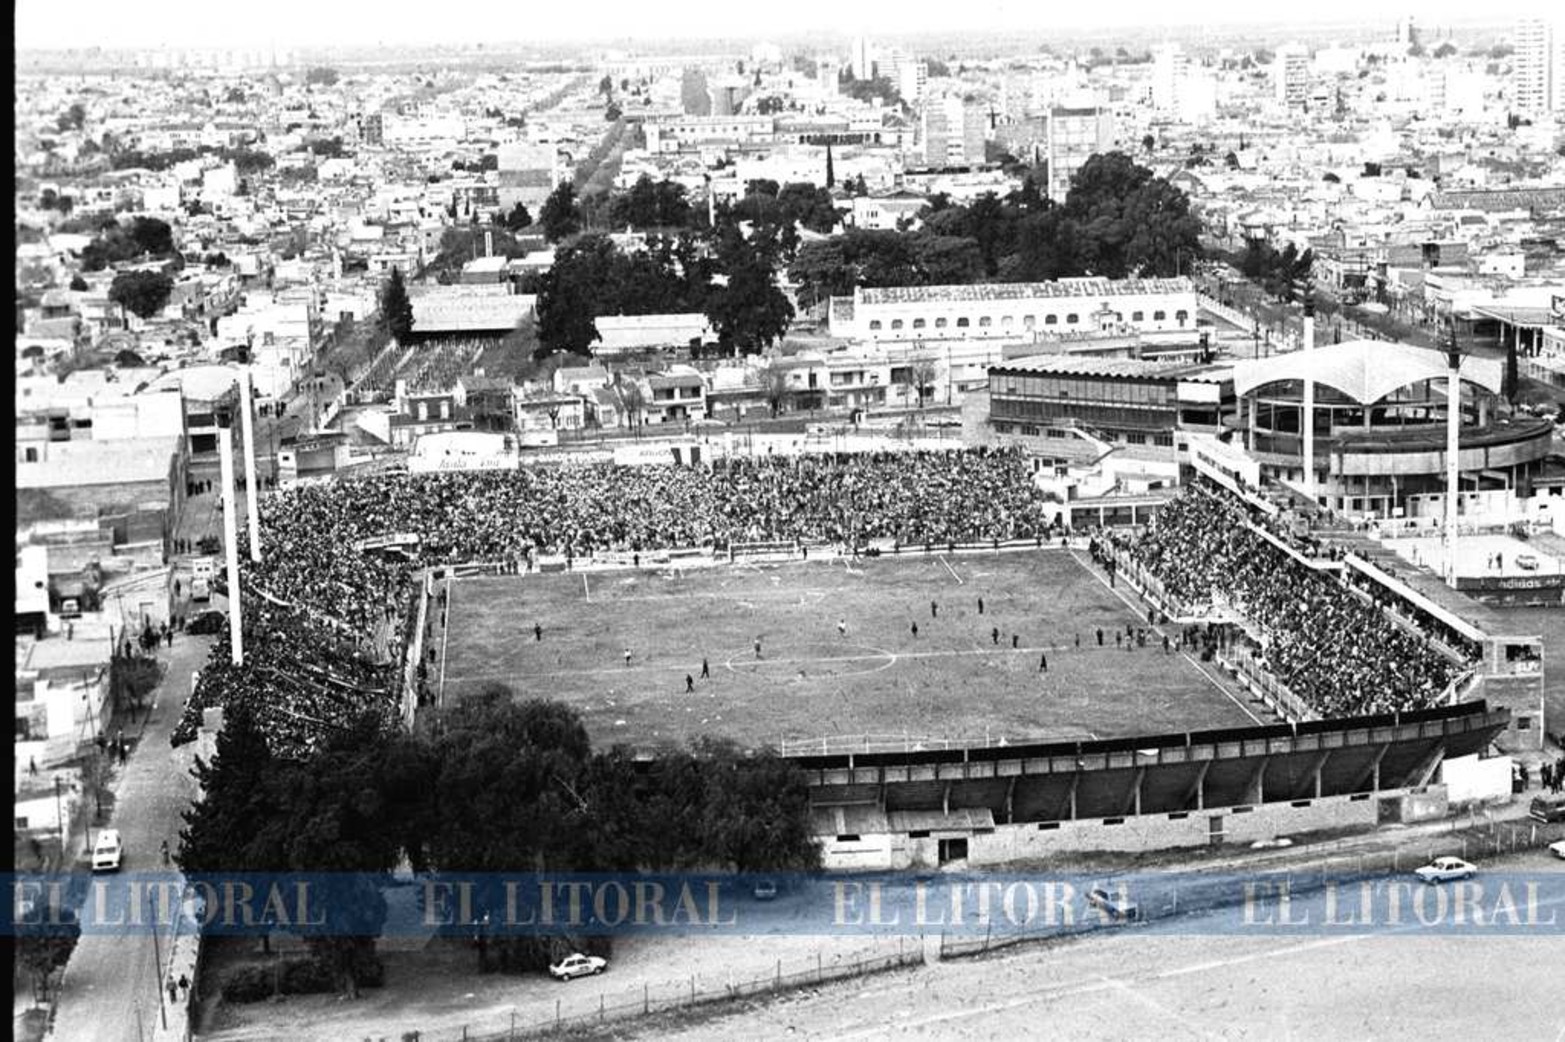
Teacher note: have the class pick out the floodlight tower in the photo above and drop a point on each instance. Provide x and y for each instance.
(1308, 426)
(225, 450)
(1453, 429)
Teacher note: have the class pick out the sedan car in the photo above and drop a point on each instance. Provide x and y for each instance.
(1445, 869)
(1557, 848)
(107, 851)
(1113, 903)
(209, 621)
(578, 965)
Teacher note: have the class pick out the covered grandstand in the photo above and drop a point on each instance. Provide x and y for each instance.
(996, 804)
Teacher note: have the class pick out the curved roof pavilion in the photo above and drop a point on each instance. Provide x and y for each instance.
(1365, 371)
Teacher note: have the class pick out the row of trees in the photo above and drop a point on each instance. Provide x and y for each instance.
(143, 237)
(1118, 220)
(678, 274)
(494, 786)
(1280, 273)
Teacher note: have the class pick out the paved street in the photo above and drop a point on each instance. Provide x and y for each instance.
(110, 986)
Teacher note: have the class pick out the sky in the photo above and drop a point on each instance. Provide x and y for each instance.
(193, 23)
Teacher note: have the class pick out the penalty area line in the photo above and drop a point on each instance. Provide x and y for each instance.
(585, 592)
(943, 561)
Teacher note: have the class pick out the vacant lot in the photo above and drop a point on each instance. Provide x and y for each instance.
(838, 658)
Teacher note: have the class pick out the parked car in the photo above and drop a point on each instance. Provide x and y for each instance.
(765, 890)
(107, 851)
(1445, 869)
(210, 621)
(1114, 903)
(578, 965)
(1527, 562)
(1548, 807)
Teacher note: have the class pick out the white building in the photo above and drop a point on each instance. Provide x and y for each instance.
(1018, 311)
(1291, 75)
(1538, 67)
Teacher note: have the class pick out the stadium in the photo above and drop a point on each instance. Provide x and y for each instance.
(1125, 689)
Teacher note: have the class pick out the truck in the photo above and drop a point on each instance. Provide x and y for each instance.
(202, 571)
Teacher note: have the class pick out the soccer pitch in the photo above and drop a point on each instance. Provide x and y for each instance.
(838, 657)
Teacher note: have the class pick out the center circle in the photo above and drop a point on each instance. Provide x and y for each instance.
(818, 659)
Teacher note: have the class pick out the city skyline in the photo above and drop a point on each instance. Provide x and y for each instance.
(185, 23)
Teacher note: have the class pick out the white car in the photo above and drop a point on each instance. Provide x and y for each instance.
(578, 965)
(1113, 903)
(1557, 848)
(1445, 869)
(1527, 562)
(107, 852)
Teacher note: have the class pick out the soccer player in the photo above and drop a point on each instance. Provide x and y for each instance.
(915, 629)
(627, 656)
(757, 647)
(1043, 662)
(842, 627)
(1014, 639)
(994, 635)
(706, 671)
(934, 610)
(690, 684)
(537, 631)
(980, 605)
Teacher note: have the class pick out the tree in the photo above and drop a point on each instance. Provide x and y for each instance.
(751, 311)
(606, 86)
(517, 218)
(396, 310)
(560, 216)
(78, 284)
(774, 388)
(922, 375)
(612, 111)
(321, 76)
(46, 947)
(151, 235)
(807, 205)
(1148, 143)
(142, 293)
(569, 294)
(1445, 50)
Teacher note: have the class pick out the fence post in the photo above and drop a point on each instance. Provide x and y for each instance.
(646, 997)
(556, 1013)
(779, 973)
(820, 974)
(600, 1006)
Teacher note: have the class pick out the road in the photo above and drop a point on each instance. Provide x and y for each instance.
(1174, 983)
(110, 988)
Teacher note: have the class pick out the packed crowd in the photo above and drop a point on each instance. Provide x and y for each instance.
(310, 563)
(1328, 645)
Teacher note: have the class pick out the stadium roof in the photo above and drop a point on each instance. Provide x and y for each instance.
(1095, 365)
(1364, 370)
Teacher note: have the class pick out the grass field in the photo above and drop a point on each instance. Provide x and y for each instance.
(952, 681)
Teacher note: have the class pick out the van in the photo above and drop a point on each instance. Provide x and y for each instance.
(1548, 807)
